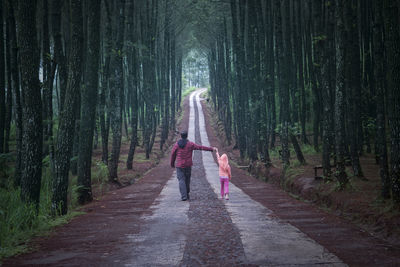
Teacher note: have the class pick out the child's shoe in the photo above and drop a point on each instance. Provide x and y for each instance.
(226, 196)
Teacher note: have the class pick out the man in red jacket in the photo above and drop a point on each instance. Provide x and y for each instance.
(182, 153)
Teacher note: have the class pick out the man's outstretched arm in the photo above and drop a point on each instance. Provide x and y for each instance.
(199, 147)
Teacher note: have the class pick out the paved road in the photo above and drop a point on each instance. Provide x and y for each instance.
(211, 231)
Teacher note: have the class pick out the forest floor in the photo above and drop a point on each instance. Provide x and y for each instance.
(146, 224)
(359, 203)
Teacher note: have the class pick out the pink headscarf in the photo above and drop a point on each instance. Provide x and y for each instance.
(223, 162)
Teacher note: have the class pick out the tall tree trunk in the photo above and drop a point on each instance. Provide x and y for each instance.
(269, 77)
(165, 67)
(322, 89)
(47, 83)
(252, 82)
(148, 31)
(316, 98)
(32, 108)
(379, 76)
(353, 82)
(323, 59)
(297, 149)
(116, 89)
(133, 81)
(293, 91)
(9, 104)
(301, 67)
(179, 81)
(368, 89)
(341, 175)
(59, 54)
(65, 136)
(238, 62)
(2, 82)
(271, 72)
(173, 77)
(88, 103)
(105, 74)
(392, 45)
(15, 83)
(283, 79)
(228, 77)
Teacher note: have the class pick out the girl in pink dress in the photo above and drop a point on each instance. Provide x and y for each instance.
(224, 174)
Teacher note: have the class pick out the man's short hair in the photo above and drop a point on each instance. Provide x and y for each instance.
(184, 134)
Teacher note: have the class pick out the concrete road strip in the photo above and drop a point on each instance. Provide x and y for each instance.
(266, 240)
(162, 239)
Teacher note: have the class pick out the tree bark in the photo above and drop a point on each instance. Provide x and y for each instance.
(88, 103)
(321, 60)
(66, 128)
(283, 76)
(116, 89)
(9, 100)
(313, 83)
(179, 82)
(15, 80)
(2, 82)
(252, 74)
(174, 76)
(59, 54)
(238, 62)
(392, 45)
(133, 81)
(165, 80)
(341, 175)
(48, 76)
(379, 82)
(148, 31)
(73, 167)
(105, 74)
(271, 73)
(32, 108)
(297, 149)
(300, 66)
(353, 82)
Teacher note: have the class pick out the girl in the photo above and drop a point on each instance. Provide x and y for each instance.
(224, 174)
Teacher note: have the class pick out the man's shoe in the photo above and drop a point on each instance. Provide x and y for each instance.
(184, 199)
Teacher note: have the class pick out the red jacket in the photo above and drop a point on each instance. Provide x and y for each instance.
(182, 153)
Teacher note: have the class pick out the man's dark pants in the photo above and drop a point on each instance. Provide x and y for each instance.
(183, 175)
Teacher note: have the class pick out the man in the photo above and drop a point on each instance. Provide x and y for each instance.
(182, 153)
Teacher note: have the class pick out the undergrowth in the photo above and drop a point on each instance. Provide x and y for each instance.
(20, 221)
